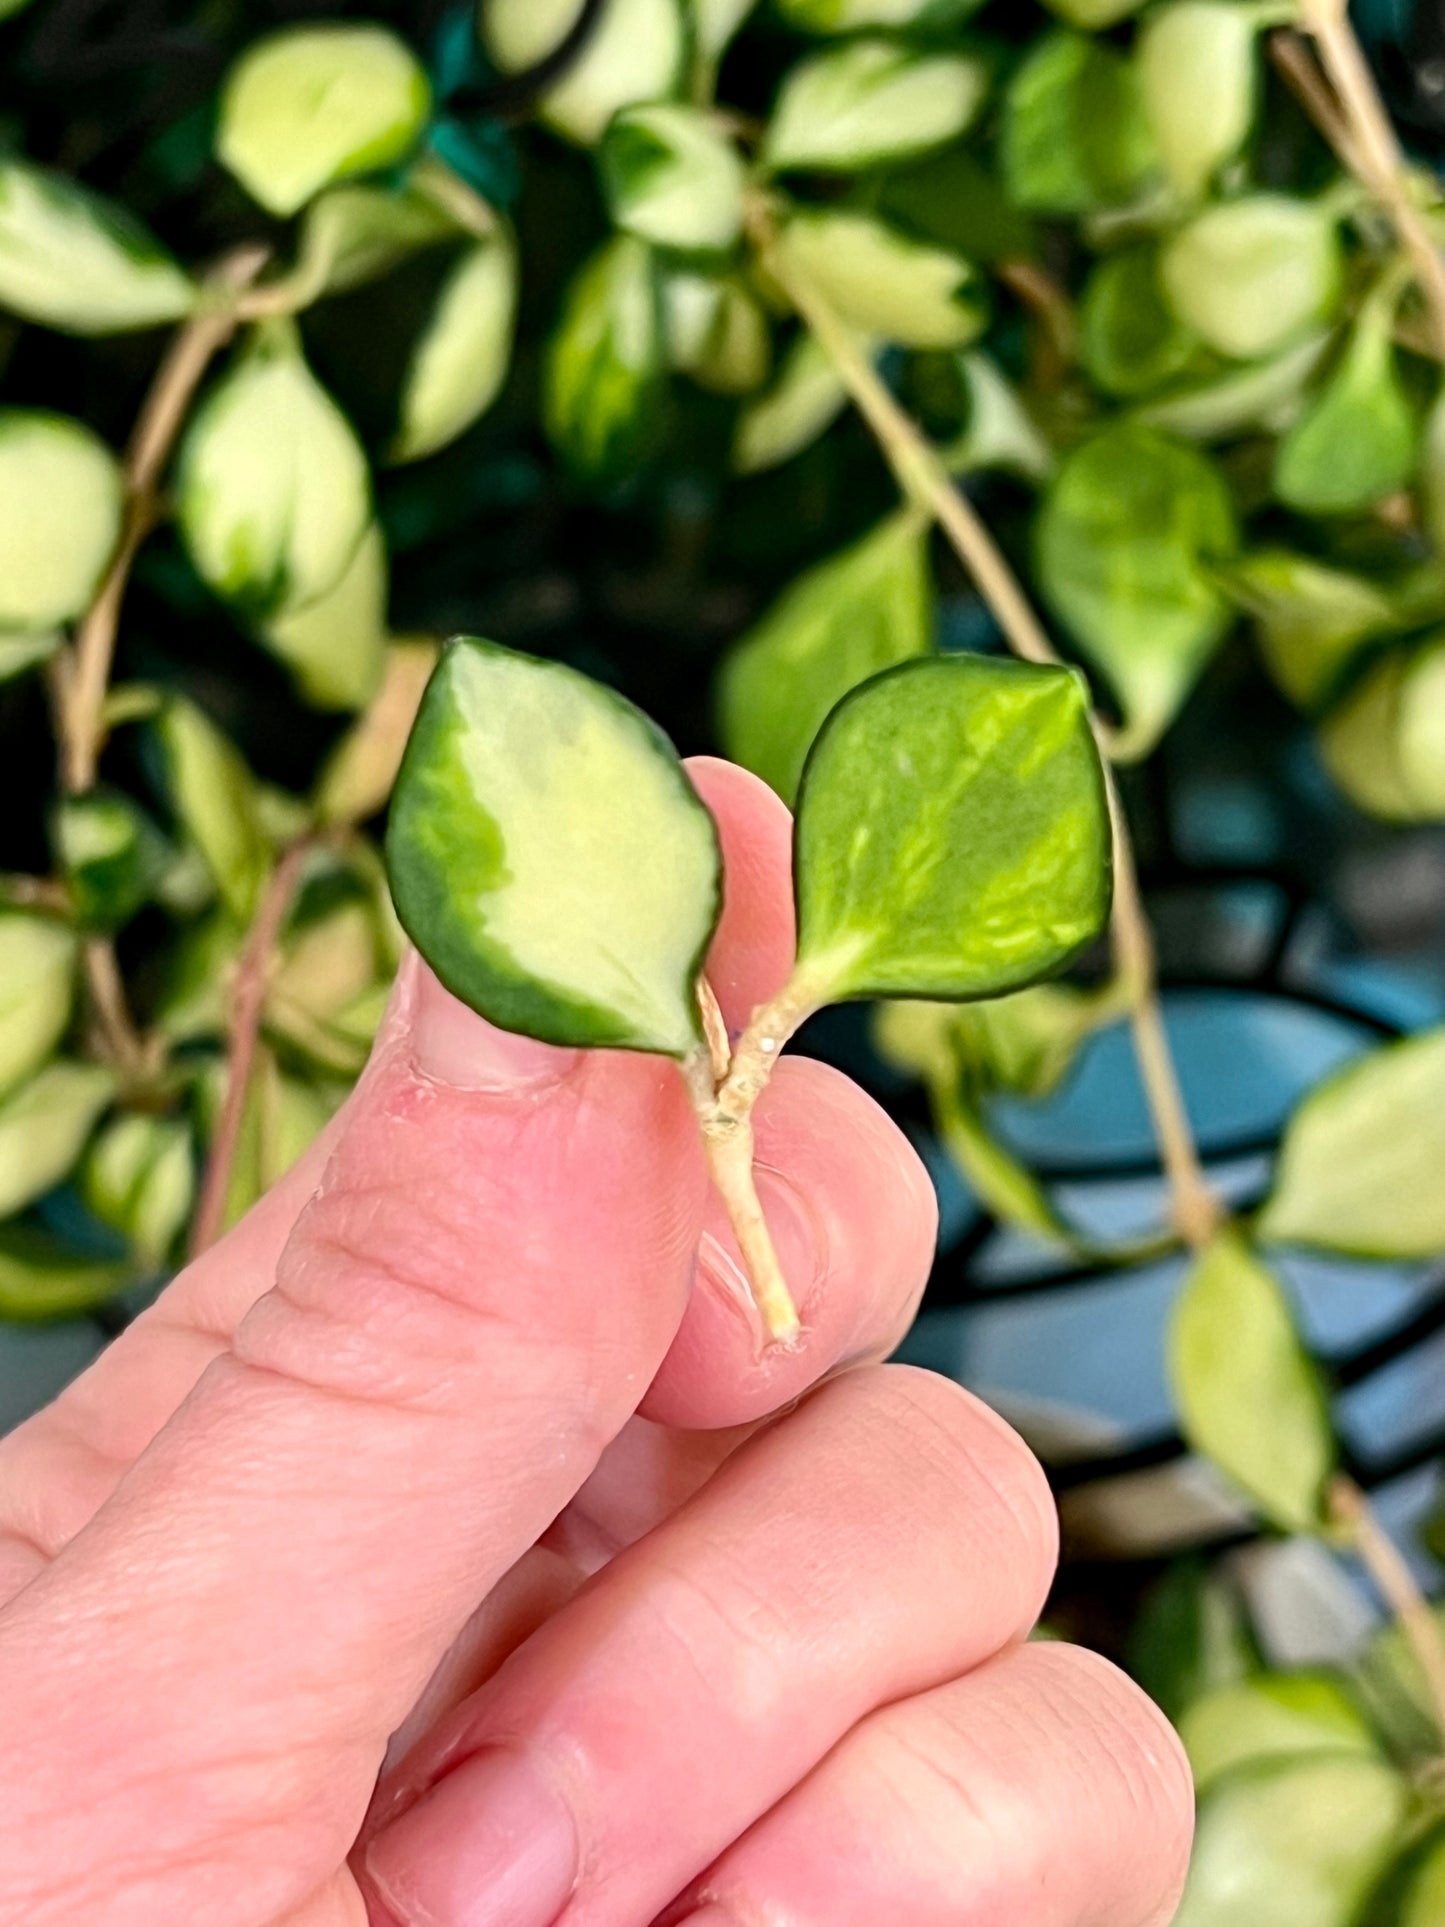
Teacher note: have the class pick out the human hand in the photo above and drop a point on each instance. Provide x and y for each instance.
(450, 1464)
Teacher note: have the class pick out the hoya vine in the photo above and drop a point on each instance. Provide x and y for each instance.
(567, 330)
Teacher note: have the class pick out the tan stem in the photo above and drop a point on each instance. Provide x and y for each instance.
(1381, 1558)
(724, 1090)
(86, 671)
(248, 1002)
(925, 480)
(714, 1029)
(1372, 151)
(119, 1039)
(1197, 1211)
(81, 675)
(916, 464)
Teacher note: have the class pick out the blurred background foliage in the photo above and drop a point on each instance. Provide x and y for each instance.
(498, 331)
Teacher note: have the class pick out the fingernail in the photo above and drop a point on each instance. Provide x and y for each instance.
(492, 1844)
(799, 1238)
(452, 1045)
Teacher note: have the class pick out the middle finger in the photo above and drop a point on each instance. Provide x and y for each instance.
(889, 1535)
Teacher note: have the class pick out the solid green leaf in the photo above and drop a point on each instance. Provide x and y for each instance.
(274, 494)
(1361, 1160)
(310, 105)
(1385, 743)
(111, 854)
(1357, 441)
(1126, 540)
(851, 16)
(1191, 1635)
(1075, 134)
(334, 646)
(1251, 275)
(1198, 71)
(1001, 1182)
(460, 358)
(37, 991)
(717, 333)
(1266, 394)
(870, 101)
(635, 53)
(1024, 1043)
(217, 803)
(1248, 1396)
(549, 857)
(1027, 1043)
(1424, 1902)
(884, 284)
(1093, 14)
(139, 1178)
(952, 837)
(44, 1126)
(673, 177)
(1310, 619)
(1294, 1843)
(604, 382)
(857, 612)
(60, 515)
(41, 1277)
(73, 261)
(805, 399)
(1130, 339)
(1432, 474)
(1269, 1716)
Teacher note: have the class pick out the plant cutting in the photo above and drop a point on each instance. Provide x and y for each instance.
(553, 864)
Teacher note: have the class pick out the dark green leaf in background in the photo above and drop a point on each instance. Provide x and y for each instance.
(605, 377)
(860, 611)
(1358, 440)
(111, 855)
(1125, 541)
(1075, 134)
(1130, 339)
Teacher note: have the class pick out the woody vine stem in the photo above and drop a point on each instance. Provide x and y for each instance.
(924, 480)
(1198, 1212)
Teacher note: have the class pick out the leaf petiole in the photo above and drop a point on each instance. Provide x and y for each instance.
(724, 1084)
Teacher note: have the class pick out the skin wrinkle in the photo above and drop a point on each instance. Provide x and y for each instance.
(1022, 1496)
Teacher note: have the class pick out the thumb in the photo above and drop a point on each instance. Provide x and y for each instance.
(466, 1313)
